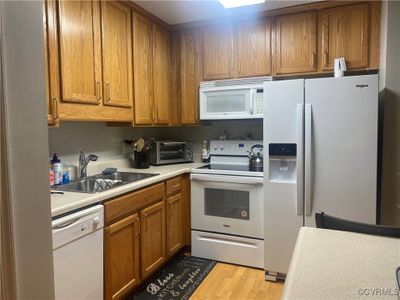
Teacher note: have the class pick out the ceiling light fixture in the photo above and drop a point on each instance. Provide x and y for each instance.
(237, 3)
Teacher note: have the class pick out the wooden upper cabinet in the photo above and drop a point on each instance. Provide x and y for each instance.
(190, 76)
(121, 257)
(80, 51)
(117, 54)
(52, 117)
(142, 66)
(152, 237)
(253, 48)
(345, 33)
(217, 52)
(161, 75)
(296, 43)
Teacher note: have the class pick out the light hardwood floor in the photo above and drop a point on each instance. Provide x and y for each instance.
(236, 282)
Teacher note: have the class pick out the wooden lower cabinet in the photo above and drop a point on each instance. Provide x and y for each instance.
(174, 214)
(152, 237)
(122, 257)
(142, 231)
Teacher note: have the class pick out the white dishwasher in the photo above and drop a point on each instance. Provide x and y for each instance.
(78, 254)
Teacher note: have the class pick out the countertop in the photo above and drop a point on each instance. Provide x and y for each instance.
(330, 264)
(70, 201)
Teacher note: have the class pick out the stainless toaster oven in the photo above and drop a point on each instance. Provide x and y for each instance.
(169, 152)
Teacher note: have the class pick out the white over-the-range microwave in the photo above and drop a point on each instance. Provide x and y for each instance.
(232, 99)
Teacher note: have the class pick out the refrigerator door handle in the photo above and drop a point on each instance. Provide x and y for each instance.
(300, 162)
(308, 159)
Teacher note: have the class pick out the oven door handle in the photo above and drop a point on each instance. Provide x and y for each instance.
(227, 178)
(172, 143)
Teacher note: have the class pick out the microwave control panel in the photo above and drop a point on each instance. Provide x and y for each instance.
(259, 102)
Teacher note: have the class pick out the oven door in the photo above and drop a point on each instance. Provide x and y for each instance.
(227, 204)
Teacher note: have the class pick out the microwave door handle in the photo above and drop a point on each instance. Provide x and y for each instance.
(252, 95)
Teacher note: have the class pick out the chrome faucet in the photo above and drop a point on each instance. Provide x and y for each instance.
(83, 163)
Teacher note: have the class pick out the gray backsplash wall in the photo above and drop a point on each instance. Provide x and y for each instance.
(107, 142)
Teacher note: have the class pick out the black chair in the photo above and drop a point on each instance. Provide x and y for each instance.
(328, 222)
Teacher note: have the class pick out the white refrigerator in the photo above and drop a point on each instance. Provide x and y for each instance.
(320, 154)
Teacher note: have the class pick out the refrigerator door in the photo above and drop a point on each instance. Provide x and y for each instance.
(283, 172)
(341, 116)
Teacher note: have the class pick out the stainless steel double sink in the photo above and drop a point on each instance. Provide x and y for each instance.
(101, 182)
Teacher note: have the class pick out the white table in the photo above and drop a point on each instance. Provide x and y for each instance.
(330, 264)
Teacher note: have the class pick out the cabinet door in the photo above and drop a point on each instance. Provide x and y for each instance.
(296, 43)
(152, 237)
(217, 52)
(52, 116)
(190, 76)
(117, 54)
(253, 48)
(142, 66)
(345, 33)
(174, 224)
(161, 75)
(80, 51)
(121, 257)
(186, 209)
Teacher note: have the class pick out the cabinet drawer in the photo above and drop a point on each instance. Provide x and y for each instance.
(125, 205)
(173, 186)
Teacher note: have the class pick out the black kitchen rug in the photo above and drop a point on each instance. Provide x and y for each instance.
(177, 280)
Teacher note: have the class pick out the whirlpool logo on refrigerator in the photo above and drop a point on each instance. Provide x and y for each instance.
(361, 86)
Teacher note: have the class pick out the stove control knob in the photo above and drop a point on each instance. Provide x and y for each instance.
(222, 148)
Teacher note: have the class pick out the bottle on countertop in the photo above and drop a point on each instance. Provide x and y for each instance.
(205, 153)
(65, 175)
(57, 169)
(51, 175)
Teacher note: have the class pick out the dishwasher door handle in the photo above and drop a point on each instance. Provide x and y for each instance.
(66, 224)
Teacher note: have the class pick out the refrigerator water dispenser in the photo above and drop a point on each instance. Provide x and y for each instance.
(282, 163)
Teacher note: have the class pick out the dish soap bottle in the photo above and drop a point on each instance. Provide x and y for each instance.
(57, 170)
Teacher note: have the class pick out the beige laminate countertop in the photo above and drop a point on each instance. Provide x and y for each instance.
(69, 201)
(330, 264)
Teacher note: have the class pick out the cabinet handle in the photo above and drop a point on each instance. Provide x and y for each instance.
(157, 114)
(54, 110)
(196, 115)
(108, 92)
(314, 57)
(325, 58)
(145, 216)
(138, 220)
(98, 96)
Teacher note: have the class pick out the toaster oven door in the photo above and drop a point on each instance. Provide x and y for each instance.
(173, 152)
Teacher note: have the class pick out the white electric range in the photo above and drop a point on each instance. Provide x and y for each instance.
(227, 206)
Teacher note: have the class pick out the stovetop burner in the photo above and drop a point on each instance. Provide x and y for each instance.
(229, 170)
(226, 167)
